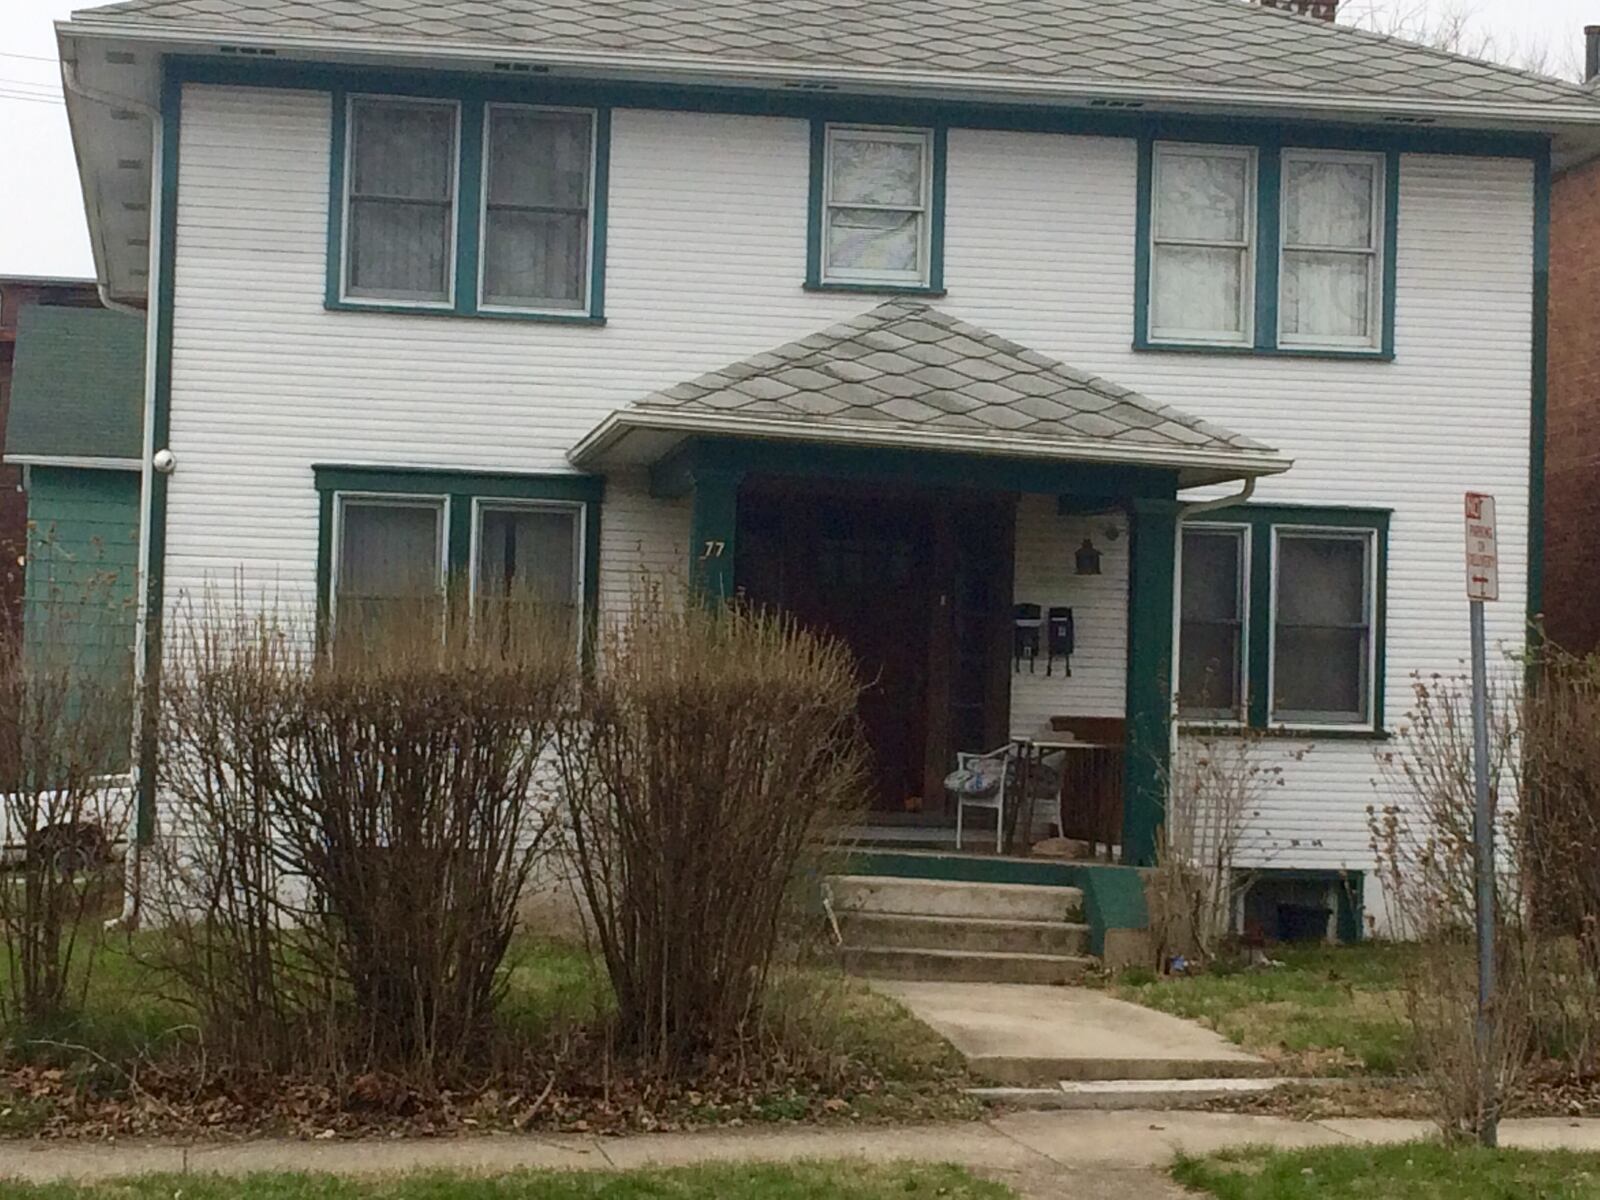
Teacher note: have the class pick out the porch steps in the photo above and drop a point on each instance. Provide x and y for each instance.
(957, 931)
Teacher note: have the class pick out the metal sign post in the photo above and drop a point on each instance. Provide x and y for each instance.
(1483, 584)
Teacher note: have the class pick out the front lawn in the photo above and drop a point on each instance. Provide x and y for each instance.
(1327, 1010)
(1416, 1171)
(810, 1181)
(828, 1048)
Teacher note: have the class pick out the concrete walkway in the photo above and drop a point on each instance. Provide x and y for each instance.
(1027, 1147)
(1028, 1035)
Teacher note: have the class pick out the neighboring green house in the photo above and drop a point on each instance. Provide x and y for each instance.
(74, 427)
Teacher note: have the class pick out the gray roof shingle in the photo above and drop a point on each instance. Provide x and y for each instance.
(1221, 44)
(905, 365)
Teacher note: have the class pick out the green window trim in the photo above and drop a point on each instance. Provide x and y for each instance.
(468, 215)
(1262, 525)
(1266, 249)
(939, 139)
(462, 494)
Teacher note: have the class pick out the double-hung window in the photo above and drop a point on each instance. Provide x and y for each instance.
(877, 200)
(400, 213)
(537, 208)
(1202, 244)
(1332, 249)
(390, 555)
(1275, 250)
(1212, 630)
(527, 559)
(1322, 643)
(491, 209)
(1281, 618)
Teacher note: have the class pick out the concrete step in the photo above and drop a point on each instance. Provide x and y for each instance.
(902, 931)
(1118, 1095)
(962, 966)
(947, 898)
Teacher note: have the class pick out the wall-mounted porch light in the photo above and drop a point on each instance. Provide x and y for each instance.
(1088, 558)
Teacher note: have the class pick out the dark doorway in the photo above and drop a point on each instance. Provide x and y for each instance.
(918, 585)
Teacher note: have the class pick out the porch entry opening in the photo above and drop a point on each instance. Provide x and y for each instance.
(917, 582)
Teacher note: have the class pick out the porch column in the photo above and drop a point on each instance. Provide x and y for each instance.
(711, 533)
(1153, 530)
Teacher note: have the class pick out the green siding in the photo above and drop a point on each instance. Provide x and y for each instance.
(79, 600)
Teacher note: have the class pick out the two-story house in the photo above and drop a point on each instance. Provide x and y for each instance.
(1184, 322)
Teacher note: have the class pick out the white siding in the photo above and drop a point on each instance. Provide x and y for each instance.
(1047, 544)
(642, 541)
(707, 246)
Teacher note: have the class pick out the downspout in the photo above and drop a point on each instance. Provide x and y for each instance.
(1185, 511)
(133, 872)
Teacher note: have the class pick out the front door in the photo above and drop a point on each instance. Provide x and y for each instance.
(890, 573)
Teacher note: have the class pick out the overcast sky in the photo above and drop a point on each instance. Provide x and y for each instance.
(41, 210)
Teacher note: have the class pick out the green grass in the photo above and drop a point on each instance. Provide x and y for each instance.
(810, 1181)
(1329, 1010)
(1418, 1171)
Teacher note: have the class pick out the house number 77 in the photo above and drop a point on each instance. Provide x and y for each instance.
(713, 550)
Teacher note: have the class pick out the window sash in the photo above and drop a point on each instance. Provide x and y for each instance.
(1238, 624)
(343, 503)
(355, 201)
(583, 213)
(1371, 254)
(920, 212)
(1363, 630)
(1168, 248)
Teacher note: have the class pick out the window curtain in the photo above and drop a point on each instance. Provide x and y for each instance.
(1330, 248)
(527, 560)
(1200, 264)
(402, 184)
(536, 216)
(1323, 629)
(875, 205)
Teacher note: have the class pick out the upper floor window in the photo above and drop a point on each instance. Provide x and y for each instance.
(537, 197)
(400, 215)
(1281, 618)
(469, 209)
(1202, 243)
(1331, 278)
(877, 196)
(1267, 249)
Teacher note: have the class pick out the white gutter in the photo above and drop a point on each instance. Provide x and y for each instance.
(617, 424)
(704, 69)
(133, 867)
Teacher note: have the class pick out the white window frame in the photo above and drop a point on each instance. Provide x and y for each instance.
(1374, 253)
(583, 306)
(1369, 540)
(1243, 533)
(1247, 285)
(878, 133)
(436, 500)
(483, 504)
(352, 102)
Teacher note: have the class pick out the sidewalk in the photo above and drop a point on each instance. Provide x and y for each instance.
(1028, 1143)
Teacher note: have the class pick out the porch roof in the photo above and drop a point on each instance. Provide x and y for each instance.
(907, 375)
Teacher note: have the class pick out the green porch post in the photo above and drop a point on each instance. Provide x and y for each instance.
(711, 532)
(1153, 530)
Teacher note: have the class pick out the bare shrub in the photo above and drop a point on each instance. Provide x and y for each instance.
(65, 736)
(1217, 784)
(1560, 841)
(1426, 860)
(357, 827)
(714, 748)
(232, 680)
